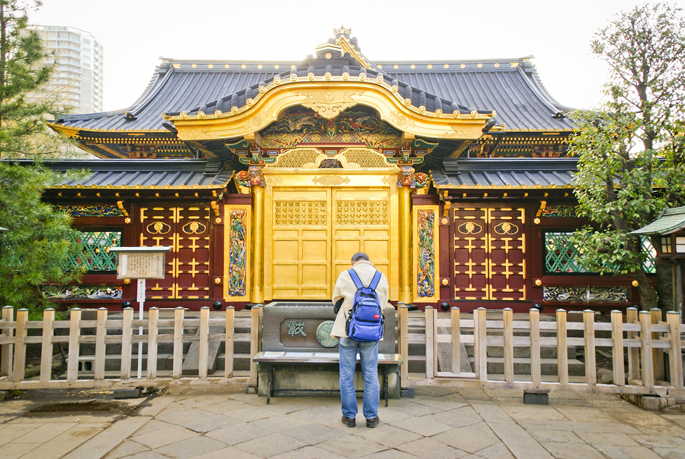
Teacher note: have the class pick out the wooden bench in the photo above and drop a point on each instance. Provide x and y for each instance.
(293, 335)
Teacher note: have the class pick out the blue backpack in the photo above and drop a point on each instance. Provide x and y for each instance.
(366, 320)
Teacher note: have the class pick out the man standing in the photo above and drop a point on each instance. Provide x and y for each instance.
(345, 290)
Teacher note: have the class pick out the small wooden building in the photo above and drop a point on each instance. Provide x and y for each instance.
(265, 177)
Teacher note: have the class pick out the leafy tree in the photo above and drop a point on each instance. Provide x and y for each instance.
(35, 248)
(631, 156)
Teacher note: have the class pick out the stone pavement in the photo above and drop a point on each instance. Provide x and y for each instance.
(437, 423)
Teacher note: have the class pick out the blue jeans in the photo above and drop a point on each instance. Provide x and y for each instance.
(368, 356)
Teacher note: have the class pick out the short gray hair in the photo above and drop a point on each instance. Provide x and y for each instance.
(360, 256)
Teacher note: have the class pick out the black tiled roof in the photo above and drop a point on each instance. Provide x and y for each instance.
(510, 87)
(505, 172)
(168, 173)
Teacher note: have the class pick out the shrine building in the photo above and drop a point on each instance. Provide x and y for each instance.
(264, 177)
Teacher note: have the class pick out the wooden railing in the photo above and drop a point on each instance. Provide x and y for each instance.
(642, 337)
(637, 342)
(16, 334)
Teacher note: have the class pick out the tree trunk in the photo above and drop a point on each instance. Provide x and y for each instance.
(664, 284)
(648, 296)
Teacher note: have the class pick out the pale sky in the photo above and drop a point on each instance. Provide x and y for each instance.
(135, 34)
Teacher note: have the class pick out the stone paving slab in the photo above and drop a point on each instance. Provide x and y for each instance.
(440, 422)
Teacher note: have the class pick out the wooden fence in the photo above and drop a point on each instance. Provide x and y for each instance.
(16, 334)
(642, 337)
(637, 343)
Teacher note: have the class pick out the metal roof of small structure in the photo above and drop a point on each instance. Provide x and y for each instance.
(505, 173)
(670, 221)
(145, 173)
(511, 87)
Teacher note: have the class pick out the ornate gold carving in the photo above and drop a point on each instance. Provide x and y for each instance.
(297, 158)
(506, 228)
(298, 213)
(331, 180)
(273, 181)
(362, 213)
(194, 228)
(329, 102)
(158, 228)
(364, 157)
(400, 120)
(257, 121)
(469, 228)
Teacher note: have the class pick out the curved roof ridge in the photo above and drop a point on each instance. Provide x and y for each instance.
(537, 81)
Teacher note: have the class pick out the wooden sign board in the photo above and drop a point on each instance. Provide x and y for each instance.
(140, 262)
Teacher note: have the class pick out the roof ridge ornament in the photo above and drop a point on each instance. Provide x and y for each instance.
(342, 31)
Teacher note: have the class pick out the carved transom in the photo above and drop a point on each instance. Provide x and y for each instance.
(350, 158)
(362, 213)
(297, 213)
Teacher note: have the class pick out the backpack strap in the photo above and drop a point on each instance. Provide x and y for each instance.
(355, 278)
(375, 280)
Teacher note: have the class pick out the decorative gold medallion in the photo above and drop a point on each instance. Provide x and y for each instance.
(469, 228)
(158, 228)
(506, 228)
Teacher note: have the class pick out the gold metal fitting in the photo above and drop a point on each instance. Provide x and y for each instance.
(127, 281)
(536, 221)
(635, 283)
(217, 280)
(538, 282)
(217, 220)
(445, 282)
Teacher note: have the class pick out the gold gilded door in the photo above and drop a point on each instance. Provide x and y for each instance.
(361, 223)
(301, 256)
(315, 233)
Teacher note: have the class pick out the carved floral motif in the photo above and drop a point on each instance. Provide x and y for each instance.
(238, 253)
(426, 267)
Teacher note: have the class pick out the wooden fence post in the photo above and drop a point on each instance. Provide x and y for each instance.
(456, 341)
(647, 361)
(562, 347)
(675, 353)
(254, 343)
(46, 346)
(177, 370)
(659, 368)
(7, 349)
(430, 342)
(228, 345)
(633, 352)
(590, 358)
(100, 345)
(126, 333)
(617, 350)
(535, 363)
(480, 343)
(20, 345)
(74, 347)
(204, 342)
(152, 330)
(404, 343)
(508, 335)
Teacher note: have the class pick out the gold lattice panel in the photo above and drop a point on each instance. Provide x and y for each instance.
(297, 158)
(361, 212)
(186, 230)
(296, 213)
(364, 157)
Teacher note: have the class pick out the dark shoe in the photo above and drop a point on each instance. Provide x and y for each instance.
(349, 422)
(372, 422)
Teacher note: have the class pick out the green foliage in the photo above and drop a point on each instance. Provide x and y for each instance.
(631, 162)
(38, 240)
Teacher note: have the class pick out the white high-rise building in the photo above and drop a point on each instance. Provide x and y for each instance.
(77, 80)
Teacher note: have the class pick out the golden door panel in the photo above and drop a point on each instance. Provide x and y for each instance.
(300, 260)
(489, 251)
(361, 223)
(186, 231)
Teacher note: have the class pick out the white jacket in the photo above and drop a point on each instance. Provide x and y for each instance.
(345, 288)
